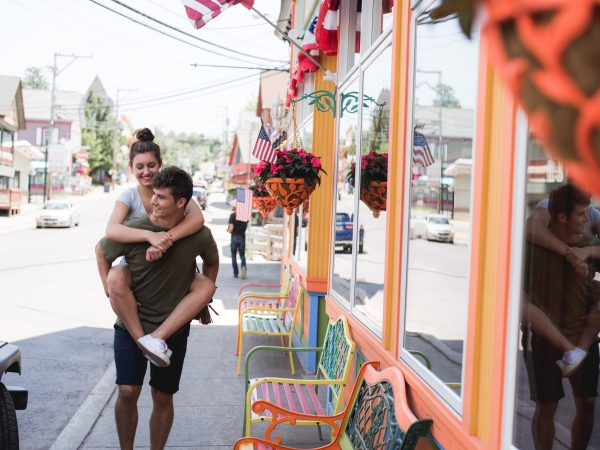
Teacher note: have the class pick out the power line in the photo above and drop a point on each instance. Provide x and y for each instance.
(242, 67)
(168, 35)
(184, 33)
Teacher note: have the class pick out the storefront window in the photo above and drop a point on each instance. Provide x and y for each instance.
(440, 155)
(371, 222)
(556, 359)
(347, 142)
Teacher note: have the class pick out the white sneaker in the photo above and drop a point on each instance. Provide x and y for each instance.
(155, 350)
(571, 361)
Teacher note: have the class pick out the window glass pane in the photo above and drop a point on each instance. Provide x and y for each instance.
(388, 15)
(344, 207)
(559, 312)
(370, 269)
(296, 235)
(440, 196)
(304, 236)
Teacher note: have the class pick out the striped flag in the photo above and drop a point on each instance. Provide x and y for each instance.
(243, 204)
(421, 153)
(200, 12)
(326, 32)
(263, 149)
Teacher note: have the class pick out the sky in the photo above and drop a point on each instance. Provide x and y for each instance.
(145, 64)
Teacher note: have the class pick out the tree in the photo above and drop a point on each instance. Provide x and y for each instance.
(251, 104)
(34, 78)
(447, 95)
(98, 133)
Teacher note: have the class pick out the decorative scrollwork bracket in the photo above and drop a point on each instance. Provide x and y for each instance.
(326, 101)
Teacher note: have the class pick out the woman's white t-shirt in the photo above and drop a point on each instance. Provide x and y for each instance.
(132, 199)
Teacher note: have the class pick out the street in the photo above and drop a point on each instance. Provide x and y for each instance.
(54, 309)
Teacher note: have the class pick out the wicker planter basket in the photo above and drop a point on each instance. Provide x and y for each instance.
(289, 194)
(375, 196)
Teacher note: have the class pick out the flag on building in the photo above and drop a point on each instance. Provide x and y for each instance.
(309, 44)
(263, 149)
(243, 204)
(200, 12)
(421, 153)
(326, 31)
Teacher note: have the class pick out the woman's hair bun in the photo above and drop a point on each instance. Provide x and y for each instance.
(144, 134)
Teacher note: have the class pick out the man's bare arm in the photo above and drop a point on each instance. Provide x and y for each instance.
(103, 266)
(211, 270)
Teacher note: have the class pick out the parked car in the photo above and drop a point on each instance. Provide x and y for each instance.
(199, 194)
(344, 232)
(417, 226)
(12, 398)
(57, 213)
(438, 228)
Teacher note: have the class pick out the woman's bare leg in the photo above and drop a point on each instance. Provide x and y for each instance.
(201, 291)
(540, 323)
(122, 300)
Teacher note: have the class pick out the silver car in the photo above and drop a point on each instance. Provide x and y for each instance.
(57, 213)
(438, 228)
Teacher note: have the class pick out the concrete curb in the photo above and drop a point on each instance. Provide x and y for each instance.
(80, 425)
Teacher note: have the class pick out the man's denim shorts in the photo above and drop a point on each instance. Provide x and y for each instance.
(131, 362)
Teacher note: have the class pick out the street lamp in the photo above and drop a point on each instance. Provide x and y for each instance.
(278, 111)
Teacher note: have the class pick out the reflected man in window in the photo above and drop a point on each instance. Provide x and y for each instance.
(557, 294)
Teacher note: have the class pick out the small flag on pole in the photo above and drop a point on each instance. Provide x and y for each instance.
(243, 204)
(200, 12)
(263, 149)
(421, 153)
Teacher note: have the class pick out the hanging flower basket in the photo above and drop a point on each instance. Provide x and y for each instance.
(291, 178)
(261, 199)
(264, 205)
(289, 194)
(374, 171)
(547, 53)
(375, 196)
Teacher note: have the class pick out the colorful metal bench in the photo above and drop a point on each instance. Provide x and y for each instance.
(257, 299)
(271, 321)
(377, 417)
(333, 370)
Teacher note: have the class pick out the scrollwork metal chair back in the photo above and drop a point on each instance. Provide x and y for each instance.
(338, 351)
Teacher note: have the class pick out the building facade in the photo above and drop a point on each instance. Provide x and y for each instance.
(448, 315)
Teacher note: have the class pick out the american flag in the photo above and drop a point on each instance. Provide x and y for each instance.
(421, 153)
(263, 149)
(243, 204)
(200, 12)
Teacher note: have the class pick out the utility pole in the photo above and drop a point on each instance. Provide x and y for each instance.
(116, 140)
(51, 139)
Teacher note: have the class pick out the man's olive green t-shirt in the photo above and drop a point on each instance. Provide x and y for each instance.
(160, 285)
(553, 285)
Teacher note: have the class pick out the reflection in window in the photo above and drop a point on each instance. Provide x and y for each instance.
(370, 269)
(559, 313)
(440, 197)
(304, 213)
(295, 232)
(344, 206)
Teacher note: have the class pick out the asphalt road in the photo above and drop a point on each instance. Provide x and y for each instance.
(53, 307)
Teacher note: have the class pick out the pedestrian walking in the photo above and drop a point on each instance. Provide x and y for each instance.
(160, 287)
(237, 228)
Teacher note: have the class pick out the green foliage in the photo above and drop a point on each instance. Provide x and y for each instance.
(187, 151)
(448, 98)
(465, 9)
(251, 104)
(34, 78)
(99, 133)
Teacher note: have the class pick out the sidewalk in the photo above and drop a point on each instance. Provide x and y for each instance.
(26, 218)
(209, 407)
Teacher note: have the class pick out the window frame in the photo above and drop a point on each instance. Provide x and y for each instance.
(356, 73)
(454, 402)
(515, 281)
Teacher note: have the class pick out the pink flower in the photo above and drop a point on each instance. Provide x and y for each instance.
(353, 166)
(363, 164)
(287, 159)
(274, 169)
(301, 151)
(316, 162)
